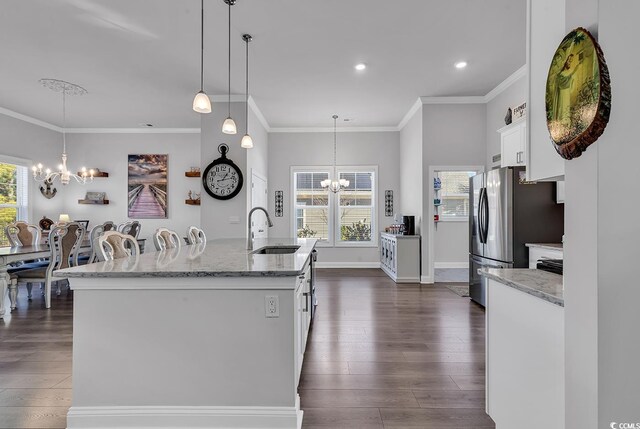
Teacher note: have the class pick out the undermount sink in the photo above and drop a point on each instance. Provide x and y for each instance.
(276, 250)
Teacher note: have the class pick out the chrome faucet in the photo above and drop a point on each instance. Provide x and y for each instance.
(249, 233)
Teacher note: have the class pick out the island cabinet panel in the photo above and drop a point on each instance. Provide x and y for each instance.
(186, 352)
(303, 318)
(525, 360)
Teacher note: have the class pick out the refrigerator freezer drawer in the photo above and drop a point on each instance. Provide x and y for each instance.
(477, 283)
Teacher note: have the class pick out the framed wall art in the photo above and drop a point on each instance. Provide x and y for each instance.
(578, 94)
(147, 186)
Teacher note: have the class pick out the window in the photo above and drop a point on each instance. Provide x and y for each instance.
(311, 205)
(356, 211)
(347, 218)
(14, 199)
(454, 194)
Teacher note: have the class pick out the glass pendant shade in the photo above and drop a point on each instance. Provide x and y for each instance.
(247, 142)
(229, 126)
(201, 103)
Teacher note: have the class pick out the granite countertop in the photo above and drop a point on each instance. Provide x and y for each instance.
(539, 283)
(216, 258)
(549, 246)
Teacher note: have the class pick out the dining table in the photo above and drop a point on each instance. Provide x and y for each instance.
(12, 254)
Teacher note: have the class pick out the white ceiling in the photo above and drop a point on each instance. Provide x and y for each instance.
(139, 59)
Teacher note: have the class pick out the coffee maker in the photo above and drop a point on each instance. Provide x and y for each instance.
(409, 225)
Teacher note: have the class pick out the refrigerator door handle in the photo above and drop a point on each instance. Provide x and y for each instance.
(480, 227)
(485, 216)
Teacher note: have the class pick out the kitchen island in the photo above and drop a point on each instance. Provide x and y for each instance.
(525, 348)
(209, 335)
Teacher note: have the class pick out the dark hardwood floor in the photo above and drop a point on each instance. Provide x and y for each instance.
(380, 355)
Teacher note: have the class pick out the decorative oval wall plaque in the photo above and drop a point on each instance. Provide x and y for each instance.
(578, 95)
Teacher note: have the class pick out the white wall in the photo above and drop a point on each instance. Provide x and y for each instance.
(219, 217)
(31, 142)
(514, 95)
(354, 148)
(618, 229)
(453, 135)
(451, 245)
(109, 152)
(411, 186)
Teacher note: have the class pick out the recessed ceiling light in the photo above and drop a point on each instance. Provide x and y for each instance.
(360, 66)
(461, 64)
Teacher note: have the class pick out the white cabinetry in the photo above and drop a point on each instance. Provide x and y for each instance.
(513, 144)
(302, 302)
(545, 30)
(525, 360)
(400, 257)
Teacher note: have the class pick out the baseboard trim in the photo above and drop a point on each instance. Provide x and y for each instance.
(347, 264)
(451, 265)
(426, 280)
(184, 417)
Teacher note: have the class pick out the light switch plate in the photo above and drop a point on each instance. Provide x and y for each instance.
(234, 219)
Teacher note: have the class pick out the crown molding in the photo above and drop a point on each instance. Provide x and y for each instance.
(132, 130)
(412, 111)
(29, 119)
(453, 100)
(340, 130)
(502, 86)
(480, 99)
(256, 111)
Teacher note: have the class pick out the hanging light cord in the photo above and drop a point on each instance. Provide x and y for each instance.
(201, 45)
(246, 106)
(64, 120)
(229, 103)
(335, 140)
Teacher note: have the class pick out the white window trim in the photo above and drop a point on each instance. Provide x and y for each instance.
(31, 188)
(292, 226)
(374, 216)
(477, 169)
(334, 238)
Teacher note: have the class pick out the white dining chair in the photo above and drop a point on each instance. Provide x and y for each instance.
(22, 234)
(64, 241)
(96, 231)
(112, 245)
(165, 238)
(195, 235)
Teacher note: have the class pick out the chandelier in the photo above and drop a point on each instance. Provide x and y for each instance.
(42, 174)
(335, 186)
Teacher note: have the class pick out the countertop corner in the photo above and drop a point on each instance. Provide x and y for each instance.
(541, 284)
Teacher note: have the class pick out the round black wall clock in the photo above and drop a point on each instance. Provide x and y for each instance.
(578, 95)
(222, 179)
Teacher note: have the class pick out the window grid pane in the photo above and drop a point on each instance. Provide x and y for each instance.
(13, 196)
(454, 194)
(356, 207)
(311, 205)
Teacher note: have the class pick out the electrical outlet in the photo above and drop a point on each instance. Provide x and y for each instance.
(271, 306)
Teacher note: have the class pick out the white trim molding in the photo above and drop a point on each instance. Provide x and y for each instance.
(184, 417)
(426, 280)
(453, 100)
(412, 111)
(256, 111)
(29, 119)
(502, 86)
(348, 265)
(132, 130)
(339, 130)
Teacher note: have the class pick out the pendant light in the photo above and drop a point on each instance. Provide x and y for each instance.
(337, 185)
(229, 125)
(247, 141)
(201, 102)
(42, 174)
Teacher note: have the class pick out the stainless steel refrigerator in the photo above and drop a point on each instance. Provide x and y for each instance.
(505, 213)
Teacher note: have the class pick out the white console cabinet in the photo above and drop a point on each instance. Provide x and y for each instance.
(400, 257)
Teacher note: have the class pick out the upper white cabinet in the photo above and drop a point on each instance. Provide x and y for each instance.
(513, 144)
(545, 31)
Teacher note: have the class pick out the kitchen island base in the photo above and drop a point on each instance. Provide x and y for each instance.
(195, 352)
